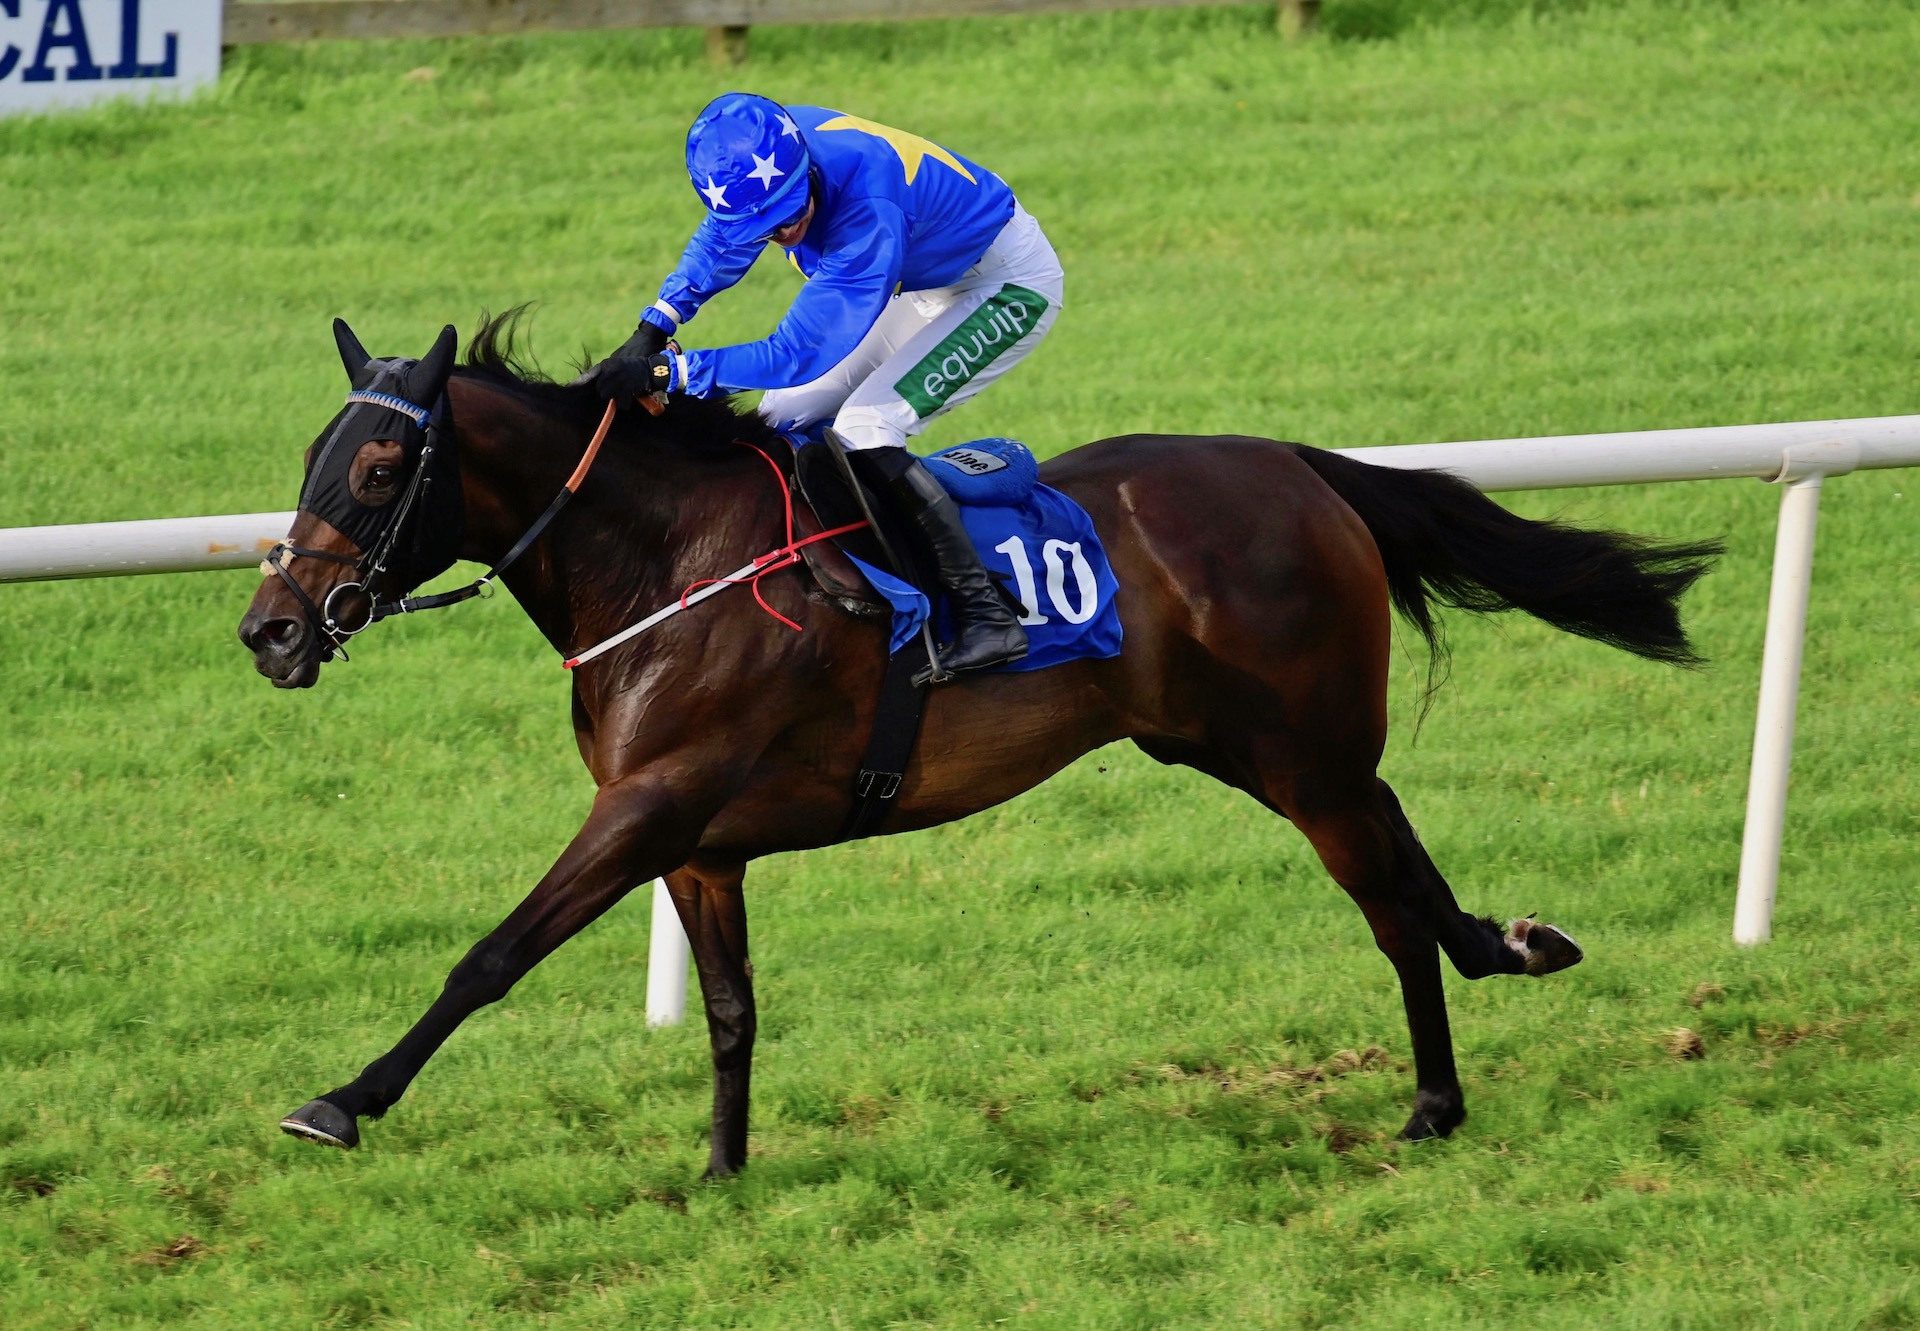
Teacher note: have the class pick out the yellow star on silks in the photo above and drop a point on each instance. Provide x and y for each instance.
(911, 147)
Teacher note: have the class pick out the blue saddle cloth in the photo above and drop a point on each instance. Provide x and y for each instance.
(1036, 541)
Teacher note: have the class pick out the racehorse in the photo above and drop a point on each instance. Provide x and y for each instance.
(1255, 579)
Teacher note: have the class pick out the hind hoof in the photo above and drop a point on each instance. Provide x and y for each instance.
(318, 1121)
(1543, 948)
(1434, 1116)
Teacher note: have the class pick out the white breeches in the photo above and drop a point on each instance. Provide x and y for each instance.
(932, 350)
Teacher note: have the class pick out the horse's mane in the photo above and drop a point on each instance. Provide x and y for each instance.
(699, 424)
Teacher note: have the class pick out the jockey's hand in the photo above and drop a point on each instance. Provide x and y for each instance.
(623, 378)
(647, 340)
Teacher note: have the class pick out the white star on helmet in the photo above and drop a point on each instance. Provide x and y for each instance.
(764, 171)
(787, 128)
(716, 194)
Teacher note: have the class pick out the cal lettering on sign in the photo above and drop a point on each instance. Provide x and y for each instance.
(62, 53)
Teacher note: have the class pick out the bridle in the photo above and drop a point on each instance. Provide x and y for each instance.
(332, 622)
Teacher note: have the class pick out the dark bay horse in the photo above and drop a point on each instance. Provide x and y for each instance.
(1255, 585)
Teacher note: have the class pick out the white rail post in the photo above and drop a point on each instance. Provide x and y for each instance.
(667, 954)
(1801, 472)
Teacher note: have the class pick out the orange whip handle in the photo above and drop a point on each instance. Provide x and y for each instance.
(593, 449)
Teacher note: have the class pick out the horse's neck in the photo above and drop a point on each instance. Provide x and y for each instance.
(646, 522)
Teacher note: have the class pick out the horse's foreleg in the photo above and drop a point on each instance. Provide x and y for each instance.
(713, 911)
(634, 833)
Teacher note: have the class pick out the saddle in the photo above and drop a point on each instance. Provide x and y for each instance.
(825, 477)
(832, 480)
(996, 481)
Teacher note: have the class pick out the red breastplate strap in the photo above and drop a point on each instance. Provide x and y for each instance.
(773, 561)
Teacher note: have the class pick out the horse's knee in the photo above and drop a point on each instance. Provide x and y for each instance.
(484, 975)
(733, 1049)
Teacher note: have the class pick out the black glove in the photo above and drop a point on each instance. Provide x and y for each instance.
(623, 378)
(647, 340)
(637, 368)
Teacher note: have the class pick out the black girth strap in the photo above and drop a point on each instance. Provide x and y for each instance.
(896, 725)
(896, 718)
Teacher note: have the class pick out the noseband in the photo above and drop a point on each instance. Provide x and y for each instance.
(332, 630)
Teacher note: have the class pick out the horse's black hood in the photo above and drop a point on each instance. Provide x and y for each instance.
(416, 535)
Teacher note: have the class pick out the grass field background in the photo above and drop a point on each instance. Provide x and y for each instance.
(1116, 1054)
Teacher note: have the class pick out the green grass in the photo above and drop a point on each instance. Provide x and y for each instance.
(1078, 1062)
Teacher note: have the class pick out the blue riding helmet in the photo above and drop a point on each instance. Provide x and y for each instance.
(749, 164)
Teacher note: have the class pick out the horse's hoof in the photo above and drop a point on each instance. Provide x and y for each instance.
(1542, 947)
(318, 1121)
(1433, 1118)
(718, 1171)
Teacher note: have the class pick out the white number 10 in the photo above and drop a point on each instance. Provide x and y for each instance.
(1053, 555)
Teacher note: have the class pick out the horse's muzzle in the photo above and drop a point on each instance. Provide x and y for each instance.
(284, 650)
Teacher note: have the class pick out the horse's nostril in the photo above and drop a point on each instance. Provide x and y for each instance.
(281, 635)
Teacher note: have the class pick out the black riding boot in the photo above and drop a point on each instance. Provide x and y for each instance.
(986, 631)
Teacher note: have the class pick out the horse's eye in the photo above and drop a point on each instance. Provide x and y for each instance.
(380, 477)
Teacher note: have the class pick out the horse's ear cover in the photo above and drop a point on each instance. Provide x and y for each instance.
(430, 540)
(352, 354)
(429, 377)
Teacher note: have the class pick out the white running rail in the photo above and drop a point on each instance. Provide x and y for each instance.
(1798, 456)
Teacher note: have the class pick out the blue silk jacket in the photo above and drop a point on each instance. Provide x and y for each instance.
(892, 212)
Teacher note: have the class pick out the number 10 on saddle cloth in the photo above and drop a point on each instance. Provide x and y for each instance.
(1039, 544)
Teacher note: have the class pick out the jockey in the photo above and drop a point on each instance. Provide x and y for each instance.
(926, 281)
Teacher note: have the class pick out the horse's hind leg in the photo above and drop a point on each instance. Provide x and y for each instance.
(1477, 946)
(714, 913)
(1357, 841)
(1358, 829)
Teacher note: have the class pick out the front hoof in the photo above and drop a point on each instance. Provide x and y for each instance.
(1543, 948)
(1434, 1116)
(318, 1121)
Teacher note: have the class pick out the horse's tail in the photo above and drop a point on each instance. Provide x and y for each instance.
(1444, 541)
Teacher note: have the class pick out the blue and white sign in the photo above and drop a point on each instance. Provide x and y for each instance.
(72, 52)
